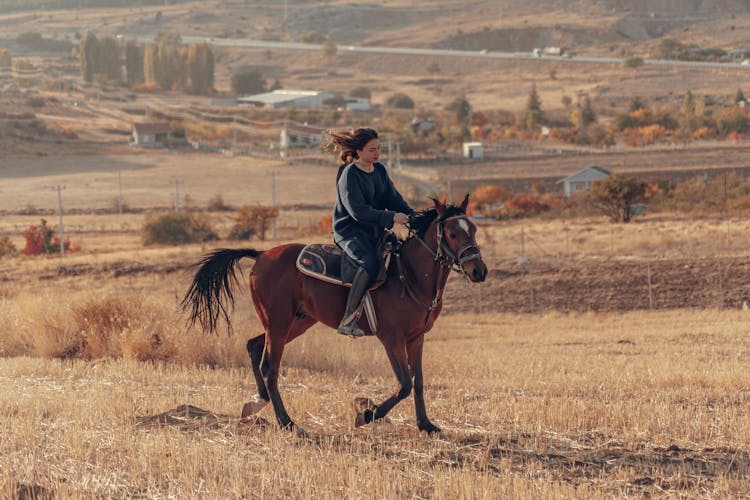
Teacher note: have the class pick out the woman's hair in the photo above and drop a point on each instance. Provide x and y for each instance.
(346, 143)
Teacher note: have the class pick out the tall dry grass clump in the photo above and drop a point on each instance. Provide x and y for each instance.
(90, 326)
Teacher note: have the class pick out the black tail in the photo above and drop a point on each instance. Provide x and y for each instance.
(211, 287)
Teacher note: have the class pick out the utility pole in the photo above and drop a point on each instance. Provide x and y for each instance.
(285, 142)
(60, 211)
(177, 183)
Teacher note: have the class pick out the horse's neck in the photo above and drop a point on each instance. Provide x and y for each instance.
(428, 275)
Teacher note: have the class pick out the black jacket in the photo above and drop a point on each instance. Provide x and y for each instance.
(365, 203)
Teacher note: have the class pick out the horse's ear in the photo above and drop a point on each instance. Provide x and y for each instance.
(439, 207)
(465, 203)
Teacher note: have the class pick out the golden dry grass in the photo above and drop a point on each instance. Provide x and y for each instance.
(575, 405)
(561, 405)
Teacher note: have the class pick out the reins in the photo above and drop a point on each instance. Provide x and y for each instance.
(445, 258)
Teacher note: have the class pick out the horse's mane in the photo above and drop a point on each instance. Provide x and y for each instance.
(420, 220)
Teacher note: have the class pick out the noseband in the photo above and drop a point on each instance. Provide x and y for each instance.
(444, 255)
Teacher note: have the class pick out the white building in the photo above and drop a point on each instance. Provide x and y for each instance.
(288, 99)
(473, 150)
(582, 180)
(153, 134)
(295, 136)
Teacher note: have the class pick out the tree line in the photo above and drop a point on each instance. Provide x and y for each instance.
(164, 64)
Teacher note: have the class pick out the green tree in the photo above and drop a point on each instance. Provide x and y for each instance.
(134, 64)
(89, 55)
(635, 104)
(150, 65)
(247, 82)
(460, 108)
(616, 195)
(400, 100)
(109, 60)
(534, 115)
(200, 64)
(362, 92)
(587, 112)
(739, 97)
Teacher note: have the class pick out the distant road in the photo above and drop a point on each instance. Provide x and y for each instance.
(240, 42)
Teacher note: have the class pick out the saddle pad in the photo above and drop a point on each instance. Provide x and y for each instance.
(322, 262)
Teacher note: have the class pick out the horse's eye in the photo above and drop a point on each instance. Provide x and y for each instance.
(452, 235)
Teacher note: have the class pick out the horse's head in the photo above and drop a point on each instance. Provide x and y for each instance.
(456, 240)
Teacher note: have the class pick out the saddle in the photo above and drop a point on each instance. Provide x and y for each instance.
(328, 263)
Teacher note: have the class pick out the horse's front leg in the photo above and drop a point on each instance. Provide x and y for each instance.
(414, 349)
(396, 350)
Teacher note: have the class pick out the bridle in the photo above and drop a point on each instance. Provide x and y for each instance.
(444, 255)
(446, 259)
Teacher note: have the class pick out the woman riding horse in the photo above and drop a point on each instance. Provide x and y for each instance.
(367, 203)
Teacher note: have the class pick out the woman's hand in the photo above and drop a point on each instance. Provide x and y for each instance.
(399, 218)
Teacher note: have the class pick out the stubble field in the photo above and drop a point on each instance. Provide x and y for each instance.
(551, 379)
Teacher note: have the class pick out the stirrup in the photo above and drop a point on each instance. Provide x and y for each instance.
(351, 329)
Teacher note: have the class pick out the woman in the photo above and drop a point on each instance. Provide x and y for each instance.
(367, 203)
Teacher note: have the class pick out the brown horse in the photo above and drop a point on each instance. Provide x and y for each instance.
(288, 303)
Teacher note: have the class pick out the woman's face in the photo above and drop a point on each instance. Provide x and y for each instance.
(370, 153)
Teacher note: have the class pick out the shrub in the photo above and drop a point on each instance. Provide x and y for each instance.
(7, 248)
(216, 204)
(247, 82)
(324, 224)
(362, 92)
(253, 220)
(633, 62)
(400, 100)
(41, 239)
(177, 229)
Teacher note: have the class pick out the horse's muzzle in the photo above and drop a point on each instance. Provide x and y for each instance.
(479, 273)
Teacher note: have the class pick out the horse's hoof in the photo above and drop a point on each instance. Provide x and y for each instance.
(430, 428)
(299, 431)
(253, 406)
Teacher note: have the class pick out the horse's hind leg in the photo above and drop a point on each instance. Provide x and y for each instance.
(255, 347)
(269, 367)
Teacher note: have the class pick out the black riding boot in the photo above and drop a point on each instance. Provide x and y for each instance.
(348, 324)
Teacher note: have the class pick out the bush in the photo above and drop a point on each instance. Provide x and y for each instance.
(362, 92)
(325, 224)
(216, 204)
(177, 229)
(400, 101)
(7, 248)
(632, 62)
(253, 220)
(248, 82)
(41, 239)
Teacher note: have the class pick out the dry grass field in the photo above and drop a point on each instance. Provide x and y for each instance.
(587, 406)
(597, 361)
(105, 393)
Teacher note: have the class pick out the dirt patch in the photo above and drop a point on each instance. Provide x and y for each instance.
(192, 418)
(605, 285)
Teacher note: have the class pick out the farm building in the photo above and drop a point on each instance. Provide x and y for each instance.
(311, 99)
(473, 150)
(296, 136)
(287, 99)
(581, 181)
(152, 134)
